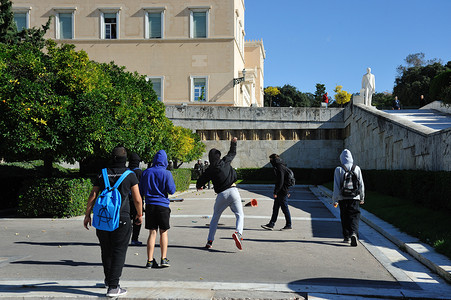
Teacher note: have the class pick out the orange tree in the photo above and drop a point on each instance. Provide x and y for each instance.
(57, 105)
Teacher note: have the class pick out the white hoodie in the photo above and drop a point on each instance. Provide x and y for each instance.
(347, 161)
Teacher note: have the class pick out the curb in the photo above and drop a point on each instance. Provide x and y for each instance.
(421, 252)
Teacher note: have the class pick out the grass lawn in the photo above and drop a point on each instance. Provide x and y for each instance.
(432, 227)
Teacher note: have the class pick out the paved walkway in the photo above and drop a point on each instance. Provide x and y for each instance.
(43, 258)
(426, 117)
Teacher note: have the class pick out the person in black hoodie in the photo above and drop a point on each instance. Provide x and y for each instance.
(223, 176)
(281, 194)
(133, 164)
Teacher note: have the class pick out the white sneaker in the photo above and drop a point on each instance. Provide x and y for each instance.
(116, 292)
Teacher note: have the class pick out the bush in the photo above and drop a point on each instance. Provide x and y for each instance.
(54, 197)
(303, 176)
(431, 189)
(182, 178)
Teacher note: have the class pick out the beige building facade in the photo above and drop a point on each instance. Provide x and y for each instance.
(193, 51)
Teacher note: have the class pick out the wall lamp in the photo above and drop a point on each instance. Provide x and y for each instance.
(239, 79)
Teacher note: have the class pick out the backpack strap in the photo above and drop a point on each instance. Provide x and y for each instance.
(353, 168)
(119, 181)
(344, 168)
(105, 179)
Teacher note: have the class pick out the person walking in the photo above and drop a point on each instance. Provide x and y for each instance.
(348, 201)
(155, 185)
(223, 176)
(281, 194)
(133, 164)
(114, 244)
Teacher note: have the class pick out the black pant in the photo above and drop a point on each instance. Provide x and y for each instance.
(113, 245)
(350, 216)
(136, 228)
(280, 202)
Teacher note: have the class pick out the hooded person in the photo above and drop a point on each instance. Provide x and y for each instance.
(349, 204)
(281, 194)
(223, 176)
(133, 164)
(155, 185)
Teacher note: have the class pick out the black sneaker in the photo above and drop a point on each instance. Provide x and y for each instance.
(152, 264)
(286, 228)
(354, 240)
(268, 227)
(116, 292)
(238, 238)
(165, 263)
(209, 245)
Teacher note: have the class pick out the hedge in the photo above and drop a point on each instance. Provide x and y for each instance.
(432, 189)
(182, 178)
(54, 197)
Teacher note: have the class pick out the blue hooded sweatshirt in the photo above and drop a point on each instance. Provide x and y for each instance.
(157, 182)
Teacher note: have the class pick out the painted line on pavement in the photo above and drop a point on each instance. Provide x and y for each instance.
(256, 217)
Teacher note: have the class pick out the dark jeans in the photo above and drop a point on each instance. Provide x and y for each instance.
(136, 228)
(113, 245)
(350, 216)
(280, 202)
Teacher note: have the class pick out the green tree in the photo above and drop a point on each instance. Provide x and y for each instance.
(383, 100)
(57, 105)
(320, 91)
(440, 88)
(10, 35)
(288, 96)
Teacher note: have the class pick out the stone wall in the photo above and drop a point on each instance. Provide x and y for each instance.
(379, 140)
(304, 137)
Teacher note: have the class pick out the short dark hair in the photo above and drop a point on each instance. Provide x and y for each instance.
(273, 156)
(119, 151)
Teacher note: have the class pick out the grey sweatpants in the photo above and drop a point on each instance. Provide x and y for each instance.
(228, 198)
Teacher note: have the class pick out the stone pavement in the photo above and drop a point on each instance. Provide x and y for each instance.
(44, 258)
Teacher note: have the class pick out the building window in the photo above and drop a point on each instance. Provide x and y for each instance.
(109, 24)
(154, 24)
(21, 17)
(157, 84)
(199, 23)
(199, 89)
(21, 21)
(64, 26)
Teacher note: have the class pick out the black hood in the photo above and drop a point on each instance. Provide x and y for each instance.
(134, 161)
(214, 156)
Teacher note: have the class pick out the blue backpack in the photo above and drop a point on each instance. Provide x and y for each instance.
(106, 211)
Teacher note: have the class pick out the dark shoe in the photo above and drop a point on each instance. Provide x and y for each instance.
(287, 228)
(152, 264)
(209, 245)
(354, 240)
(116, 292)
(136, 243)
(165, 263)
(268, 227)
(238, 238)
(346, 240)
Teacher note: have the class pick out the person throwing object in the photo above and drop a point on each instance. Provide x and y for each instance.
(223, 176)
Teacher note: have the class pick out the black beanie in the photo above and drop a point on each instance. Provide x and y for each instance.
(134, 160)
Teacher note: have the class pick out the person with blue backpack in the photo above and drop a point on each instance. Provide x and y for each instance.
(113, 185)
(155, 185)
(133, 164)
(348, 194)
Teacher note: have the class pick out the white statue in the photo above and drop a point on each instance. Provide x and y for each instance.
(368, 87)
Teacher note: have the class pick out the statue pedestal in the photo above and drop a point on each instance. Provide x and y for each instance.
(357, 99)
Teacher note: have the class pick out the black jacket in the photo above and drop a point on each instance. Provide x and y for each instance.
(220, 172)
(280, 170)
